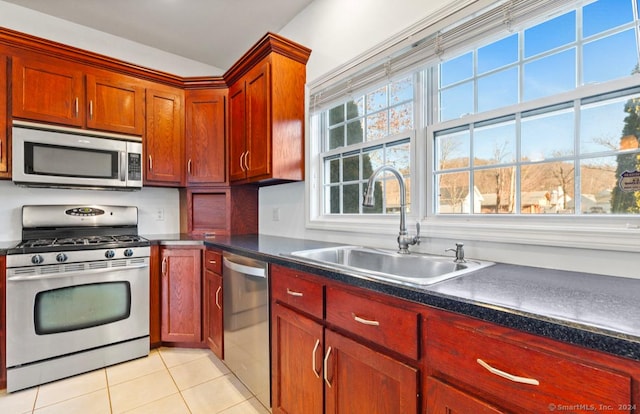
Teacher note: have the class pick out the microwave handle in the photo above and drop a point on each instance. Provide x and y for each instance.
(123, 166)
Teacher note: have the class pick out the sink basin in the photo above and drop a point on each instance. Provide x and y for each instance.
(412, 269)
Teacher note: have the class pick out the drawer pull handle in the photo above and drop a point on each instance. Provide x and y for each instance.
(218, 297)
(313, 356)
(212, 262)
(326, 359)
(294, 293)
(366, 321)
(510, 377)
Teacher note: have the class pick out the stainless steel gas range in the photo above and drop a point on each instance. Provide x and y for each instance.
(77, 292)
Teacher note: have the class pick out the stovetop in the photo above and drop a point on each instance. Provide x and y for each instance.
(70, 244)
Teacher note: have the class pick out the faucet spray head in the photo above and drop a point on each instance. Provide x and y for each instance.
(367, 199)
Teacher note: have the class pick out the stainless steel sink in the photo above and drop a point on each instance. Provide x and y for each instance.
(413, 269)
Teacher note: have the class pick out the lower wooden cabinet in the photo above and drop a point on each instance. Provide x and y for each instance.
(181, 286)
(213, 308)
(318, 369)
(446, 399)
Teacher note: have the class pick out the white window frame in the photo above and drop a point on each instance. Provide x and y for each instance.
(615, 233)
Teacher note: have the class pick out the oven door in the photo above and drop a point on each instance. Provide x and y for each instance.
(50, 315)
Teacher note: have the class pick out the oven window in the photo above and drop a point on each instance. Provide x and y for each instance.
(79, 307)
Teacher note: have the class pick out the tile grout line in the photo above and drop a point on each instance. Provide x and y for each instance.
(174, 381)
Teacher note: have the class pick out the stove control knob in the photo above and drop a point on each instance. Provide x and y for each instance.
(109, 254)
(128, 252)
(61, 257)
(37, 259)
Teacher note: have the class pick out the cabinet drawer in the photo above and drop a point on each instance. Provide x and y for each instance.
(213, 261)
(387, 325)
(297, 290)
(518, 374)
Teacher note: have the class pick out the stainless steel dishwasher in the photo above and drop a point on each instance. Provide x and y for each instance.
(245, 287)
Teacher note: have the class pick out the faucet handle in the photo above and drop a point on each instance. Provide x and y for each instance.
(416, 238)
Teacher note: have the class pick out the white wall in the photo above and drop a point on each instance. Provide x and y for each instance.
(338, 31)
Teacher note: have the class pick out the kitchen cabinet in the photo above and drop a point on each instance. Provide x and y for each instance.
(115, 103)
(5, 155)
(210, 211)
(181, 285)
(205, 114)
(480, 364)
(163, 143)
(3, 323)
(155, 297)
(53, 90)
(213, 308)
(316, 357)
(266, 112)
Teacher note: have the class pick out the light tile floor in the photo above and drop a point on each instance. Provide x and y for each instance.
(168, 381)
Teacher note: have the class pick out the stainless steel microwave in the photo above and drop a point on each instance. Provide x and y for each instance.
(70, 158)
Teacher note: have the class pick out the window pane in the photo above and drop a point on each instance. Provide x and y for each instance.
(333, 198)
(597, 61)
(333, 167)
(456, 102)
(609, 125)
(351, 168)
(547, 136)
(355, 133)
(547, 187)
(399, 156)
(401, 91)
(377, 100)
(550, 34)
(456, 70)
(351, 199)
(605, 14)
(550, 75)
(355, 108)
(371, 161)
(498, 90)
(597, 181)
(494, 190)
(494, 144)
(625, 202)
(401, 118)
(336, 115)
(377, 126)
(452, 150)
(453, 193)
(498, 54)
(336, 137)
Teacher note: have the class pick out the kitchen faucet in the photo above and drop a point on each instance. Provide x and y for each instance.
(404, 240)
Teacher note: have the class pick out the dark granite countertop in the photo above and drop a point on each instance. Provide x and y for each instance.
(594, 311)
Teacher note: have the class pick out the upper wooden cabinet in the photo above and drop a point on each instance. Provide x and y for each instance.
(163, 143)
(205, 115)
(5, 158)
(266, 112)
(53, 90)
(115, 103)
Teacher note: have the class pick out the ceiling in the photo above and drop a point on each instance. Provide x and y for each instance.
(215, 32)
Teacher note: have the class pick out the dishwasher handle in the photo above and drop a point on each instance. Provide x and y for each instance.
(247, 270)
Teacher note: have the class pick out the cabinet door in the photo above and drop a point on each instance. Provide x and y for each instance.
(296, 352)
(115, 103)
(181, 293)
(4, 132)
(361, 380)
(258, 121)
(445, 399)
(237, 132)
(163, 145)
(49, 90)
(205, 128)
(213, 312)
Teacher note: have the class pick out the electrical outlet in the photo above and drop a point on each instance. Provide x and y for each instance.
(160, 214)
(276, 214)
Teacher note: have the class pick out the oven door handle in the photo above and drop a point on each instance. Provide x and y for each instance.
(26, 278)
